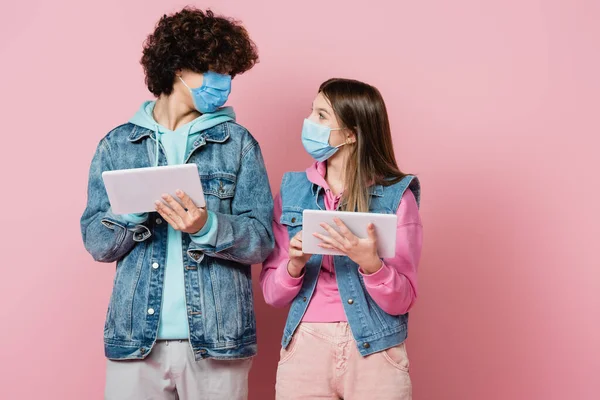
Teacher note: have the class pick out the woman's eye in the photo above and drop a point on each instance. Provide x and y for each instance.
(321, 116)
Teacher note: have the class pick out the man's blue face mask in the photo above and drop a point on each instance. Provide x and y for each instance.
(213, 93)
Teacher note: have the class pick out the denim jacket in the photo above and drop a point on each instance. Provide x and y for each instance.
(218, 287)
(373, 329)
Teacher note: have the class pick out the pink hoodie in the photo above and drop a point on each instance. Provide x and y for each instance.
(393, 287)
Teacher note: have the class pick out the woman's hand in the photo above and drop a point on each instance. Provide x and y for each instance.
(190, 219)
(297, 258)
(361, 251)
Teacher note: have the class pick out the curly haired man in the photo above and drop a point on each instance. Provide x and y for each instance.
(180, 323)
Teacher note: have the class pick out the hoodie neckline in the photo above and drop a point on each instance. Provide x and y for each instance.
(214, 128)
(316, 175)
(218, 133)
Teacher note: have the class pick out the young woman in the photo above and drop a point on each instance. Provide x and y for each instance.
(345, 332)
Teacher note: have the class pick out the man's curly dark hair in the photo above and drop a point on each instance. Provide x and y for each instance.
(198, 41)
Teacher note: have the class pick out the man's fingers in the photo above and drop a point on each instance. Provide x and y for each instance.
(185, 200)
(163, 211)
(175, 206)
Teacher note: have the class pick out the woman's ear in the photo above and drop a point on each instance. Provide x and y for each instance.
(350, 136)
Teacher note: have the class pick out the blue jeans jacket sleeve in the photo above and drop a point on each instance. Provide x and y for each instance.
(245, 235)
(106, 236)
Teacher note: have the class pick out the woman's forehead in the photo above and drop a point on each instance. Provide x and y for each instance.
(321, 102)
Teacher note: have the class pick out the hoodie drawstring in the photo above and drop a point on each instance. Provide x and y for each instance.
(157, 134)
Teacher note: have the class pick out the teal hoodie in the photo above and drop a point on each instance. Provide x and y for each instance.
(173, 316)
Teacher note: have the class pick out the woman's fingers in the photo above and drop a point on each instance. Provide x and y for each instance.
(330, 241)
(346, 233)
(333, 233)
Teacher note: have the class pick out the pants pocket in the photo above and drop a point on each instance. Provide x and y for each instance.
(286, 354)
(397, 357)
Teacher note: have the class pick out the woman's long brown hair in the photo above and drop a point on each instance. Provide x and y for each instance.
(360, 108)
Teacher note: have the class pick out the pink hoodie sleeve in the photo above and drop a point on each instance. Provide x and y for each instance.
(394, 286)
(279, 288)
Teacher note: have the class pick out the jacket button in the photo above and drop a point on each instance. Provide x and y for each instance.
(142, 350)
(366, 345)
(304, 299)
(293, 220)
(350, 301)
(155, 265)
(158, 221)
(151, 311)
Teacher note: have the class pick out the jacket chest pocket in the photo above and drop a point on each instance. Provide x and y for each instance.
(219, 190)
(292, 219)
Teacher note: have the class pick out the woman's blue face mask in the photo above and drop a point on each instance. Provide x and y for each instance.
(315, 138)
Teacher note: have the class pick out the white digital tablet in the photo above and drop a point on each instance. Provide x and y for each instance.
(385, 227)
(136, 190)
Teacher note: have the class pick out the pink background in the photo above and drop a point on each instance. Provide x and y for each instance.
(494, 104)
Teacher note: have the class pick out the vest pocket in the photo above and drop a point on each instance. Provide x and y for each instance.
(291, 218)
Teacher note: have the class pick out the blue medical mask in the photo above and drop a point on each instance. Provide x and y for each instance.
(315, 138)
(212, 94)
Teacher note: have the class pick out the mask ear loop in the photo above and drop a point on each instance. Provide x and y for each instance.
(349, 140)
(182, 81)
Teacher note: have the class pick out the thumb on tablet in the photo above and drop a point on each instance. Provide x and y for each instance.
(371, 232)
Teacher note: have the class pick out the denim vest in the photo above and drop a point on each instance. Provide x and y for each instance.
(373, 329)
(218, 287)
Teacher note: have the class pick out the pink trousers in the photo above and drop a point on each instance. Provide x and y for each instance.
(323, 362)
